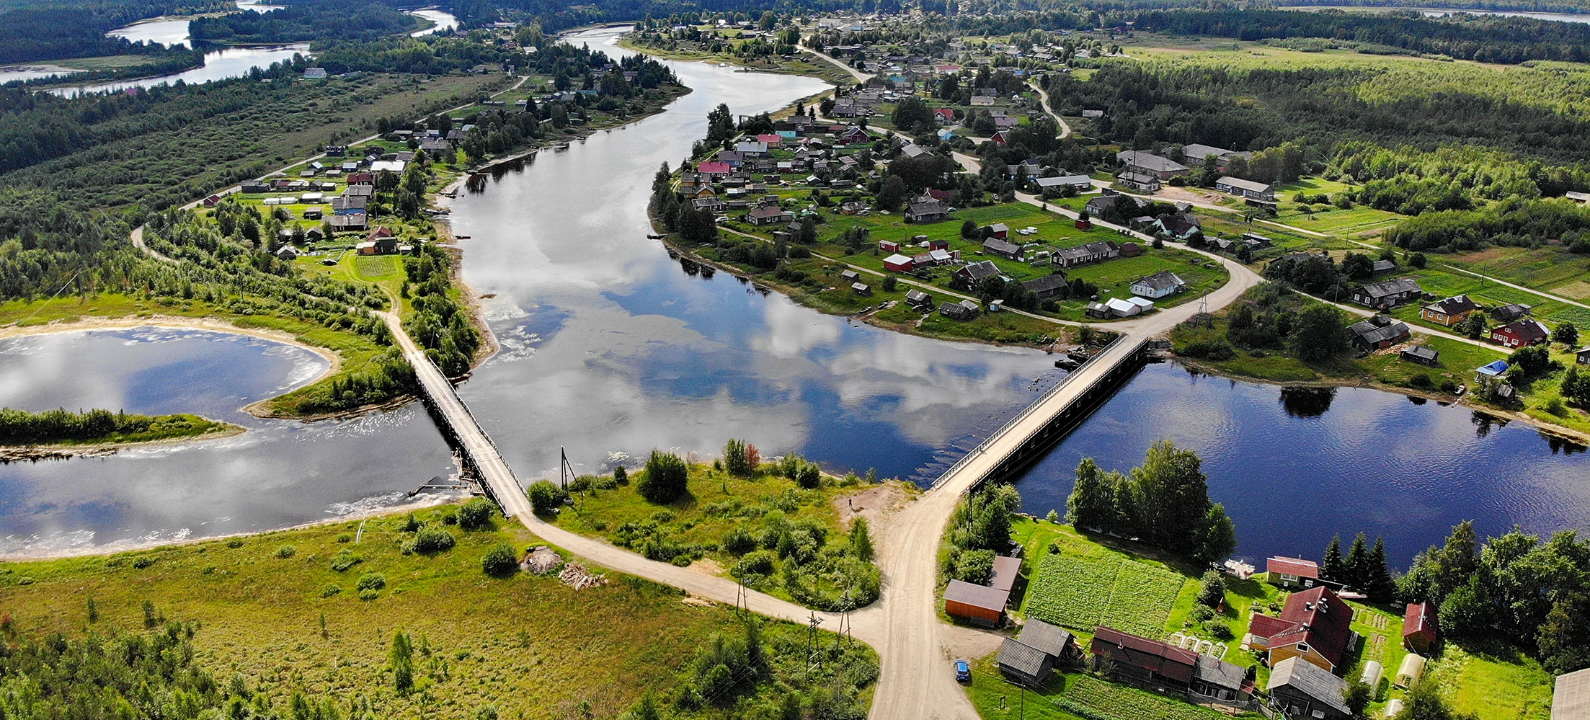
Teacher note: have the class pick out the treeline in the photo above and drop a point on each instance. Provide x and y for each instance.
(1517, 221)
(1163, 503)
(440, 323)
(20, 427)
(32, 32)
(1515, 589)
(1184, 103)
(1481, 38)
(320, 20)
(428, 55)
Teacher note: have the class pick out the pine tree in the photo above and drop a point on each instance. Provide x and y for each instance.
(861, 540)
(1331, 569)
(402, 662)
(1379, 584)
(1355, 571)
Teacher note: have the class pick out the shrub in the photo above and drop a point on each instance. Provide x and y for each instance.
(1213, 591)
(369, 594)
(477, 512)
(809, 476)
(145, 561)
(1218, 629)
(371, 581)
(344, 560)
(449, 517)
(330, 590)
(667, 478)
(235, 543)
(738, 541)
(546, 497)
(286, 551)
(344, 538)
(410, 524)
(433, 539)
(620, 475)
(1421, 381)
(755, 563)
(500, 560)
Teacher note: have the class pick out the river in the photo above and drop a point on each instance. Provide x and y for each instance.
(219, 64)
(1294, 469)
(609, 349)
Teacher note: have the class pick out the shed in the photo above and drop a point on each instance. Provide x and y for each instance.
(918, 299)
(1422, 354)
(861, 288)
(1006, 570)
(850, 276)
(975, 603)
(898, 263)
(1023, 663)
(1372, 673)
(1410, 671)
(1052, 640)
(1418, 627)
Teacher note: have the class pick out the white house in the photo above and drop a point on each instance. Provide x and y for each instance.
(1158, 285)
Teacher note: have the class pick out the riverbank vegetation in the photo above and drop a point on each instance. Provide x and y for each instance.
(42, 30)
(98, 427)
(683, 36)
(303, 22)
(773, 526)
(1164, 502)
(308, 618)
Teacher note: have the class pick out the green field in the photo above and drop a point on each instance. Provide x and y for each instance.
(1074, 696)
(799, 528)
(530, 646)
(1085, 585)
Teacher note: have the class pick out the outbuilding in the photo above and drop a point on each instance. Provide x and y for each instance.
(898, 263)
(977, 604)
(1024, 664)
(1418, 627)
(1410, 671)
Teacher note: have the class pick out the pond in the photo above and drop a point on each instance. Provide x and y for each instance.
(1294, 468)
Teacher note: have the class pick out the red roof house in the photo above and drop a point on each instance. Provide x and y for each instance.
(947, 114)
(1000, 139)
(1291, 572)
(714, 168)
(1522, 333)
(1418, 627)
(1314, 625)
(774, 140)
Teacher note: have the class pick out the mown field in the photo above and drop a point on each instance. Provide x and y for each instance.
(275, 610)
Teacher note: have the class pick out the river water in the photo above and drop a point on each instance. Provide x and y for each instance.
(1294, 469)
(1441, 12)
(609, 350)
(219, 64)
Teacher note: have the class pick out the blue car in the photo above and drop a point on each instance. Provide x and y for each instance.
(963, 671)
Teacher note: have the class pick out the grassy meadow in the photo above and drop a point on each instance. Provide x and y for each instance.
(284, 611)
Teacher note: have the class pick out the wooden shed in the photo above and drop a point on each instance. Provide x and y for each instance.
(975, 603)
(1023, 663)
(1418, 627)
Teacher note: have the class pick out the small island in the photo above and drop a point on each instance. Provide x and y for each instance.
(60, 429)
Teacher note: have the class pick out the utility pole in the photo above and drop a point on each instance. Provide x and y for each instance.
(811, 642)
(565, 469)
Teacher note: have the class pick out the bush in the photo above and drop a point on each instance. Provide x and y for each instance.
(738, 541)
(500, 560)
(1218, 629)
(755, 563)
(344, 560)
(286, 551)
(235, 543)
(433, 539)
(369, 594)
(667, 478)
(1213, 591)
(476, 513)
(329, 590)
(546, 497)
(371, 581)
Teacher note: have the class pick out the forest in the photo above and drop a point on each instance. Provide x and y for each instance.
(34, 31)
(320, 20)
(20, 427)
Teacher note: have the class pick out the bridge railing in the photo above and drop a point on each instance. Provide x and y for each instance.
(1026, 412)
